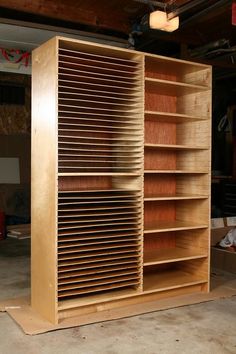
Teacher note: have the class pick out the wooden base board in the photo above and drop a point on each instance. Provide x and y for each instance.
(223, 286)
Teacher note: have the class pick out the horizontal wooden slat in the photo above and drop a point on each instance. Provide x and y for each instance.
(102, 191)
(96, 282)
(98, 288)
(75, 221)
(106, 242)
(77, 227)
(84, 70)
(99, 208)
(85, 162)
(111, 82)
(98, 117)
(97, 261)
(88, 173)
(61, 138)
(116, 90)
(79, 93)
(99, 270)
(97, 230)
(81, 281)
(106, 252)
(129, 63)
(70, 88)
(108, 214)
(91, 102)
(89, 63)
(94, 129)
(104, 128)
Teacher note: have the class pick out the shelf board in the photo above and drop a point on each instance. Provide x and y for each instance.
(177, 171)
(172, 88)
(164, 226)
(173, 117)
(175, 197)
(170, 279)
(175, 147)
(170, 255)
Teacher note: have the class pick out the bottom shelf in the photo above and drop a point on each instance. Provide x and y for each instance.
(169, 279)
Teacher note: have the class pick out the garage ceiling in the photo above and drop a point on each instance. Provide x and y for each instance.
(206, 22)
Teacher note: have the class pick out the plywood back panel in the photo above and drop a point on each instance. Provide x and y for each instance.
(158, 241)
(157, 185)
(157, 132)
(159, 211)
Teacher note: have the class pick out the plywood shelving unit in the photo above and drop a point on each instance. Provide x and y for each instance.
(120, 177)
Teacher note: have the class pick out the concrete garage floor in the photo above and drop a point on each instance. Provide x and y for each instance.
(207, 328)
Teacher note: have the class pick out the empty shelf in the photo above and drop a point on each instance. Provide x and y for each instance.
(172, 88)
(160, 256)
(170, 279)
(164, 226)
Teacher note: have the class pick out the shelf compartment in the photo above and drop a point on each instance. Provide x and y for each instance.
(158, 67)
(172, 117)
(169, 135)
(180, 160)
(178, 214)
(170, 255)
(171, 88)
(177, 99)
(176, 225)
(176, 185)
(170, 279)
(175, 275)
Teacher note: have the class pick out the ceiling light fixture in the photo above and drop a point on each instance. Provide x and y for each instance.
(159, 20)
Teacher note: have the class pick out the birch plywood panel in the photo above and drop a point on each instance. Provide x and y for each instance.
(44, 181)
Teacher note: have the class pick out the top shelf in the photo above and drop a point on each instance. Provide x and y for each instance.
(177, 70)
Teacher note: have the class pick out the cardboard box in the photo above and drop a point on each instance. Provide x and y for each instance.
(221, 258)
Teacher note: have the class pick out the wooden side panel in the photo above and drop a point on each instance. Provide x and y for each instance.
(44, 181)
(195, 104)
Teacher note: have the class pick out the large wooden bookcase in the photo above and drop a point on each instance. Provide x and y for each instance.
(120, 178)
